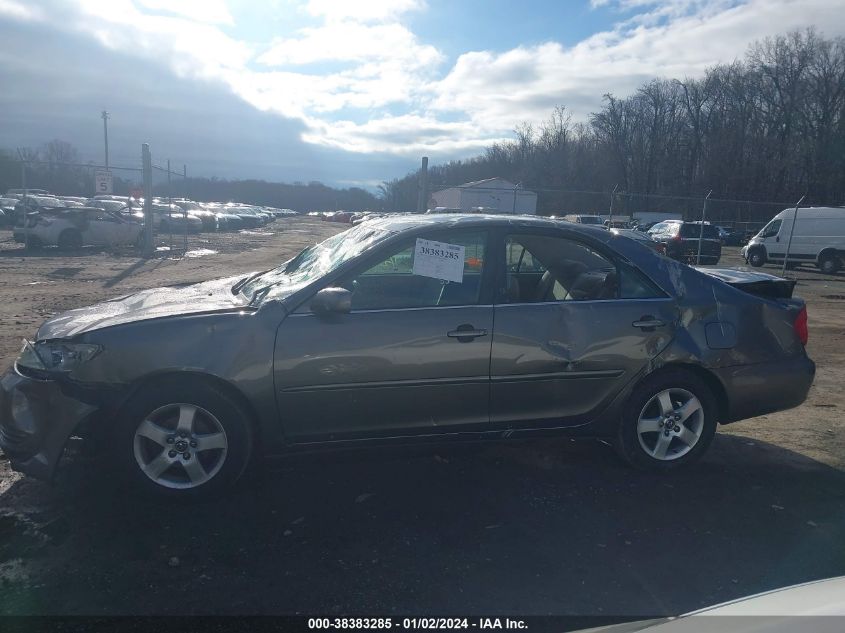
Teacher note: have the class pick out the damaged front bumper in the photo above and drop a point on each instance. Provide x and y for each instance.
(36, 419)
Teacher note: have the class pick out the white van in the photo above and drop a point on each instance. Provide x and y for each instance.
(819, 238)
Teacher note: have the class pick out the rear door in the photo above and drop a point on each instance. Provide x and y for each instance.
(102, 228)
(571, 330)
(412, 357)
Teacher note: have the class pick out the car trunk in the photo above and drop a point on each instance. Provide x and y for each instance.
(754, 283)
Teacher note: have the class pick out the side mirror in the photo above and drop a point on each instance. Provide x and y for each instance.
(332, 301)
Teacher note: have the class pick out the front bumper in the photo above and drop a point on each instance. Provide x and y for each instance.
(762, 388)
(36, 419)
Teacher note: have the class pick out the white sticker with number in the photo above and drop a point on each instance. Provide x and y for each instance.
(439, 260)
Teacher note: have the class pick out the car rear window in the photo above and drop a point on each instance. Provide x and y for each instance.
(694, 230)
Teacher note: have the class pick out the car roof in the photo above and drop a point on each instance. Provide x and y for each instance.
(410, 221)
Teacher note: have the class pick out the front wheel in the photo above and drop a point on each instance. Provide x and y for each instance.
(182, 439)
(757, 257)
(829, 264)
(669, 421)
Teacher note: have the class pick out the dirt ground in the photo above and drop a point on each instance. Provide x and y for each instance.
(535, 527)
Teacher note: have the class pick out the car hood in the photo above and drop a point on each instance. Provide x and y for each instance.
(753, 282)
(208, 296)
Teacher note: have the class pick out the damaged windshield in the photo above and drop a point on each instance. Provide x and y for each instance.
(314, 261)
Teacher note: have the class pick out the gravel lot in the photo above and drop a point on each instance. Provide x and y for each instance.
(527, 528)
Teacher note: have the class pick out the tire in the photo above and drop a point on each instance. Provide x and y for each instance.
(648, 450)
(757, 257)
(150, 452)
(70, 239)
(829, 263)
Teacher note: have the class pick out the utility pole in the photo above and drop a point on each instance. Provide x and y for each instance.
(701, 232)
(515, 187)
(147, 162)
(791, 231)
(610, 217)
(25, 196)
(422, 200)
(105, 116)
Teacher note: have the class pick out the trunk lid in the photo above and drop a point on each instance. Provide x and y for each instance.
(755, 283)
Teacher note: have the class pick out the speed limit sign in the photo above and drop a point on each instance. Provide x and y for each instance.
(103, 181)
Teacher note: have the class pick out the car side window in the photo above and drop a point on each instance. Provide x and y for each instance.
(771, 229)
(391, 283)
(569, 270)
(566, 270)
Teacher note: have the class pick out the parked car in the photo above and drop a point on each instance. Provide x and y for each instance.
(732, 236)
(228, 221)
(250, 218)
(75, 227)
(10, 193)
(819, 238)
(410, 327)
(578, 218)
(170, 218)
(208, 217)
(7, 212)
(28, 205)
(681, 240)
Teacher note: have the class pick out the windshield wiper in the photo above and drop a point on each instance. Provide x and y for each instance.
(240, 284)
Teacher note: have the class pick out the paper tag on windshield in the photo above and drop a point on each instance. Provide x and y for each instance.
(439, 260)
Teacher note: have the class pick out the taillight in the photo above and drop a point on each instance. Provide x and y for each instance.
(800, 326)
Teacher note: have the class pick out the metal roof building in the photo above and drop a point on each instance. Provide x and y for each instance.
(492, 195)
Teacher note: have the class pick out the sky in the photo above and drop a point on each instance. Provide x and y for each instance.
(347, 92)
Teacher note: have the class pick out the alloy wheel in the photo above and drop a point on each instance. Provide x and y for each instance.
(670, 424)
(180, 446)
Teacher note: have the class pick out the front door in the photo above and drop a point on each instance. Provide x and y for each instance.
(573, 327)
(412, 357)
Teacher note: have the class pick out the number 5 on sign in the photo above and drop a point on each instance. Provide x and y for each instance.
(103, 181)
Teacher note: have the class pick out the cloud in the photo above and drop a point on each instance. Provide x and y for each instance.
(363, 10)
(357, 78)
(498, 90)
(209, 11)
(350, 41)
(19, 11)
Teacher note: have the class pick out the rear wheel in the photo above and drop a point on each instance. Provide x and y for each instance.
(183, 439)
(70, 239)
(669, 422)
(757, 257)
(829, 263)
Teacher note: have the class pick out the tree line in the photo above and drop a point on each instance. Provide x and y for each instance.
(768, 127)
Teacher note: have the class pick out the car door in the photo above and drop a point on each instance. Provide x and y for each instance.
(566, 345)
(770, 237)
(411, 357)
(101, 228)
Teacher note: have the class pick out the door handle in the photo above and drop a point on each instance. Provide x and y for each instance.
(465, 333)
(648, 323)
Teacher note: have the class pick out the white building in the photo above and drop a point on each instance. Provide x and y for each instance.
(493, 195)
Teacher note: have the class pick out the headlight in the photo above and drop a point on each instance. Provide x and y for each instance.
(56, 355)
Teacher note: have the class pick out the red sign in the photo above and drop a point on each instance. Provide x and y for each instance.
(136, 193)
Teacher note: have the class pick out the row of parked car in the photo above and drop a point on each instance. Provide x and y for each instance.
(41, 219)
(689, 242)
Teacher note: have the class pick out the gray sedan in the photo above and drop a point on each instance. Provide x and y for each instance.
(411, 327)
